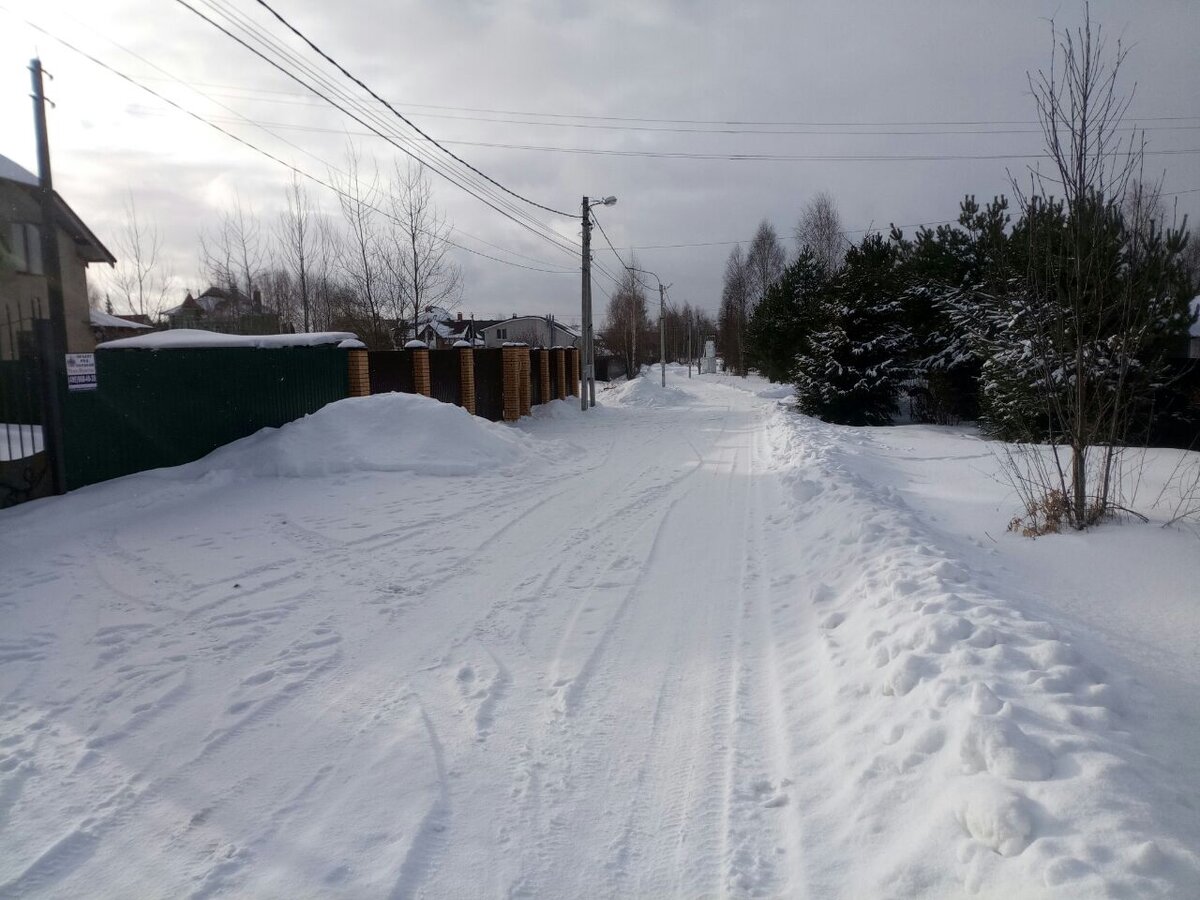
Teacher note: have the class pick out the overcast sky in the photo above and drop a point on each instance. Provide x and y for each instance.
(580, 76)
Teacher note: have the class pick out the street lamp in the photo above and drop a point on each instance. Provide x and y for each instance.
(587, 387)
(662, 334)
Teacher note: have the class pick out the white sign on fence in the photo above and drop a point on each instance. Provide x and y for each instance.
(81, 371)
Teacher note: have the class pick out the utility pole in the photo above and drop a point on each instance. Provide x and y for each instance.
(53, 347)
(662, 332)
(689, 329)
(587, 387)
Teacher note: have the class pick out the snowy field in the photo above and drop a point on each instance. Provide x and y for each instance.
(688, 644)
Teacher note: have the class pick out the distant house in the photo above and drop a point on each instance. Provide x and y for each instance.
(227, 311)
(536, 331)
(439, 328)
(22, 273)
(107, 327)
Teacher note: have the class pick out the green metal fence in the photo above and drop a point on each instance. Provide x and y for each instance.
(155, 408)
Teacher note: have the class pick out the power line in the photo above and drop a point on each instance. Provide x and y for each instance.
(604, 234)
(378, 125)
(313, 178)
(865, 129)
(773, 157)
(719, 122)
(333, 62)
(530, 225)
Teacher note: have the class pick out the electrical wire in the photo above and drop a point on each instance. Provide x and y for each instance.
(715, 122)
(379, 126)
(333, 62)
(778, 157)
(541, 232)
(301, 172)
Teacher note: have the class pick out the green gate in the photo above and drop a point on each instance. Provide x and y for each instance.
(155, 408)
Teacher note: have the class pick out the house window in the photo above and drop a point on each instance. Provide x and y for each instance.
(502, 333)
(26, 241)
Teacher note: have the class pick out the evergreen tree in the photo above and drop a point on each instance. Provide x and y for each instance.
(851, 370)
(789, 312)
(945, 272)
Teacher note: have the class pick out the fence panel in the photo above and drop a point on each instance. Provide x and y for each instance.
(163, 408)
(535, 377)
(25, 472)
(391, 371)
(445, 372)
(489, 384)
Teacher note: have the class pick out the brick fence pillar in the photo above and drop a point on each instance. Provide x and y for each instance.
(510, 358)
(573, 363)
(544, 375)
(526, 388)
(358, 364)
(466, 378)
(420, 361)
(560, 372)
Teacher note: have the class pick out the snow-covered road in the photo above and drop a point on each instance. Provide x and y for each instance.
(670, 648)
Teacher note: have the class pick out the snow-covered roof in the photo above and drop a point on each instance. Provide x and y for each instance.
(102, 319)
(567, 329)
(194, 338)
(10, 171)
(434, 314)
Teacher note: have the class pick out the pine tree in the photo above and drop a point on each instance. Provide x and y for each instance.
(945, 272)
(851, 371)
(789, 313)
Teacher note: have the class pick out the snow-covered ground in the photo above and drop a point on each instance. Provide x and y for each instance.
(686, 644)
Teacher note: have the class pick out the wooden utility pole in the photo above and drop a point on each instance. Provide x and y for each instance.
(587, 388)
(662, 333)
(53, 347)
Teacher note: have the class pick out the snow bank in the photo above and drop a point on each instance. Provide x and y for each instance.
(381, 433)
(647, 391)
(967, 723)
(197, 339)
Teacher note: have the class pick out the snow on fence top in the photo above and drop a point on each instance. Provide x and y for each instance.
(195, 339)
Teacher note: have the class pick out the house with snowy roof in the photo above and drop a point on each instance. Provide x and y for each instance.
(536, 331)
(223, 310)
(22, 269)
(107, 327)
(439, 328)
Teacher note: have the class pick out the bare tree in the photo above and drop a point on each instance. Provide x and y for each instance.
(418, 257)
(820, 232)
(299, 244)
(139, 276)
(360, 257)
(234, 254)
(764, 263)
(734, 312)
(626, 323)
(1097, 289)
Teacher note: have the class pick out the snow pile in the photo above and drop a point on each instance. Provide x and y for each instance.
(977, 740)
(647, 391)
(381, 433)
